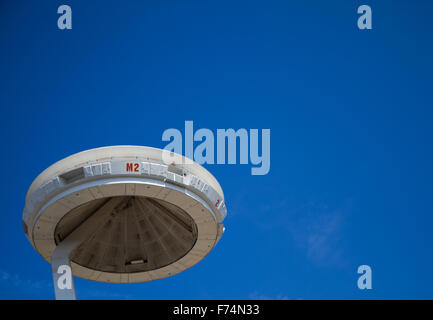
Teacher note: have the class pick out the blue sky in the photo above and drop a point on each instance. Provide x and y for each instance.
(350, 114)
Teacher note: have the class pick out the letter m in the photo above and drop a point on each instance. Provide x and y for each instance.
(232, 136)
(129, 167)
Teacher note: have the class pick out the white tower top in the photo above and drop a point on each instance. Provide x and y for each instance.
(123, 215)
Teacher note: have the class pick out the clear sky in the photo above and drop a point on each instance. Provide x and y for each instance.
(350, 113)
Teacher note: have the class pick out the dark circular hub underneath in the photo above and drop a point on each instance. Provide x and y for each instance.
(139, 234)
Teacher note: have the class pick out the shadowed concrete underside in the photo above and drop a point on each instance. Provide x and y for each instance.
(139, 234)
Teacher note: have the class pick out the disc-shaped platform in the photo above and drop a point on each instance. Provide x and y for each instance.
(164, 219)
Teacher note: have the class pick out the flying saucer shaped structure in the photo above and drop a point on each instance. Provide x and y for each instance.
(122, 214)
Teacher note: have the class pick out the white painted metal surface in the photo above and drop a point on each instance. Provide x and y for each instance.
(124, 171)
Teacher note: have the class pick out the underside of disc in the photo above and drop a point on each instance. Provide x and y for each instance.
(139, 234)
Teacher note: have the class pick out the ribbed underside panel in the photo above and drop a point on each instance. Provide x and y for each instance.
(140, 234)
